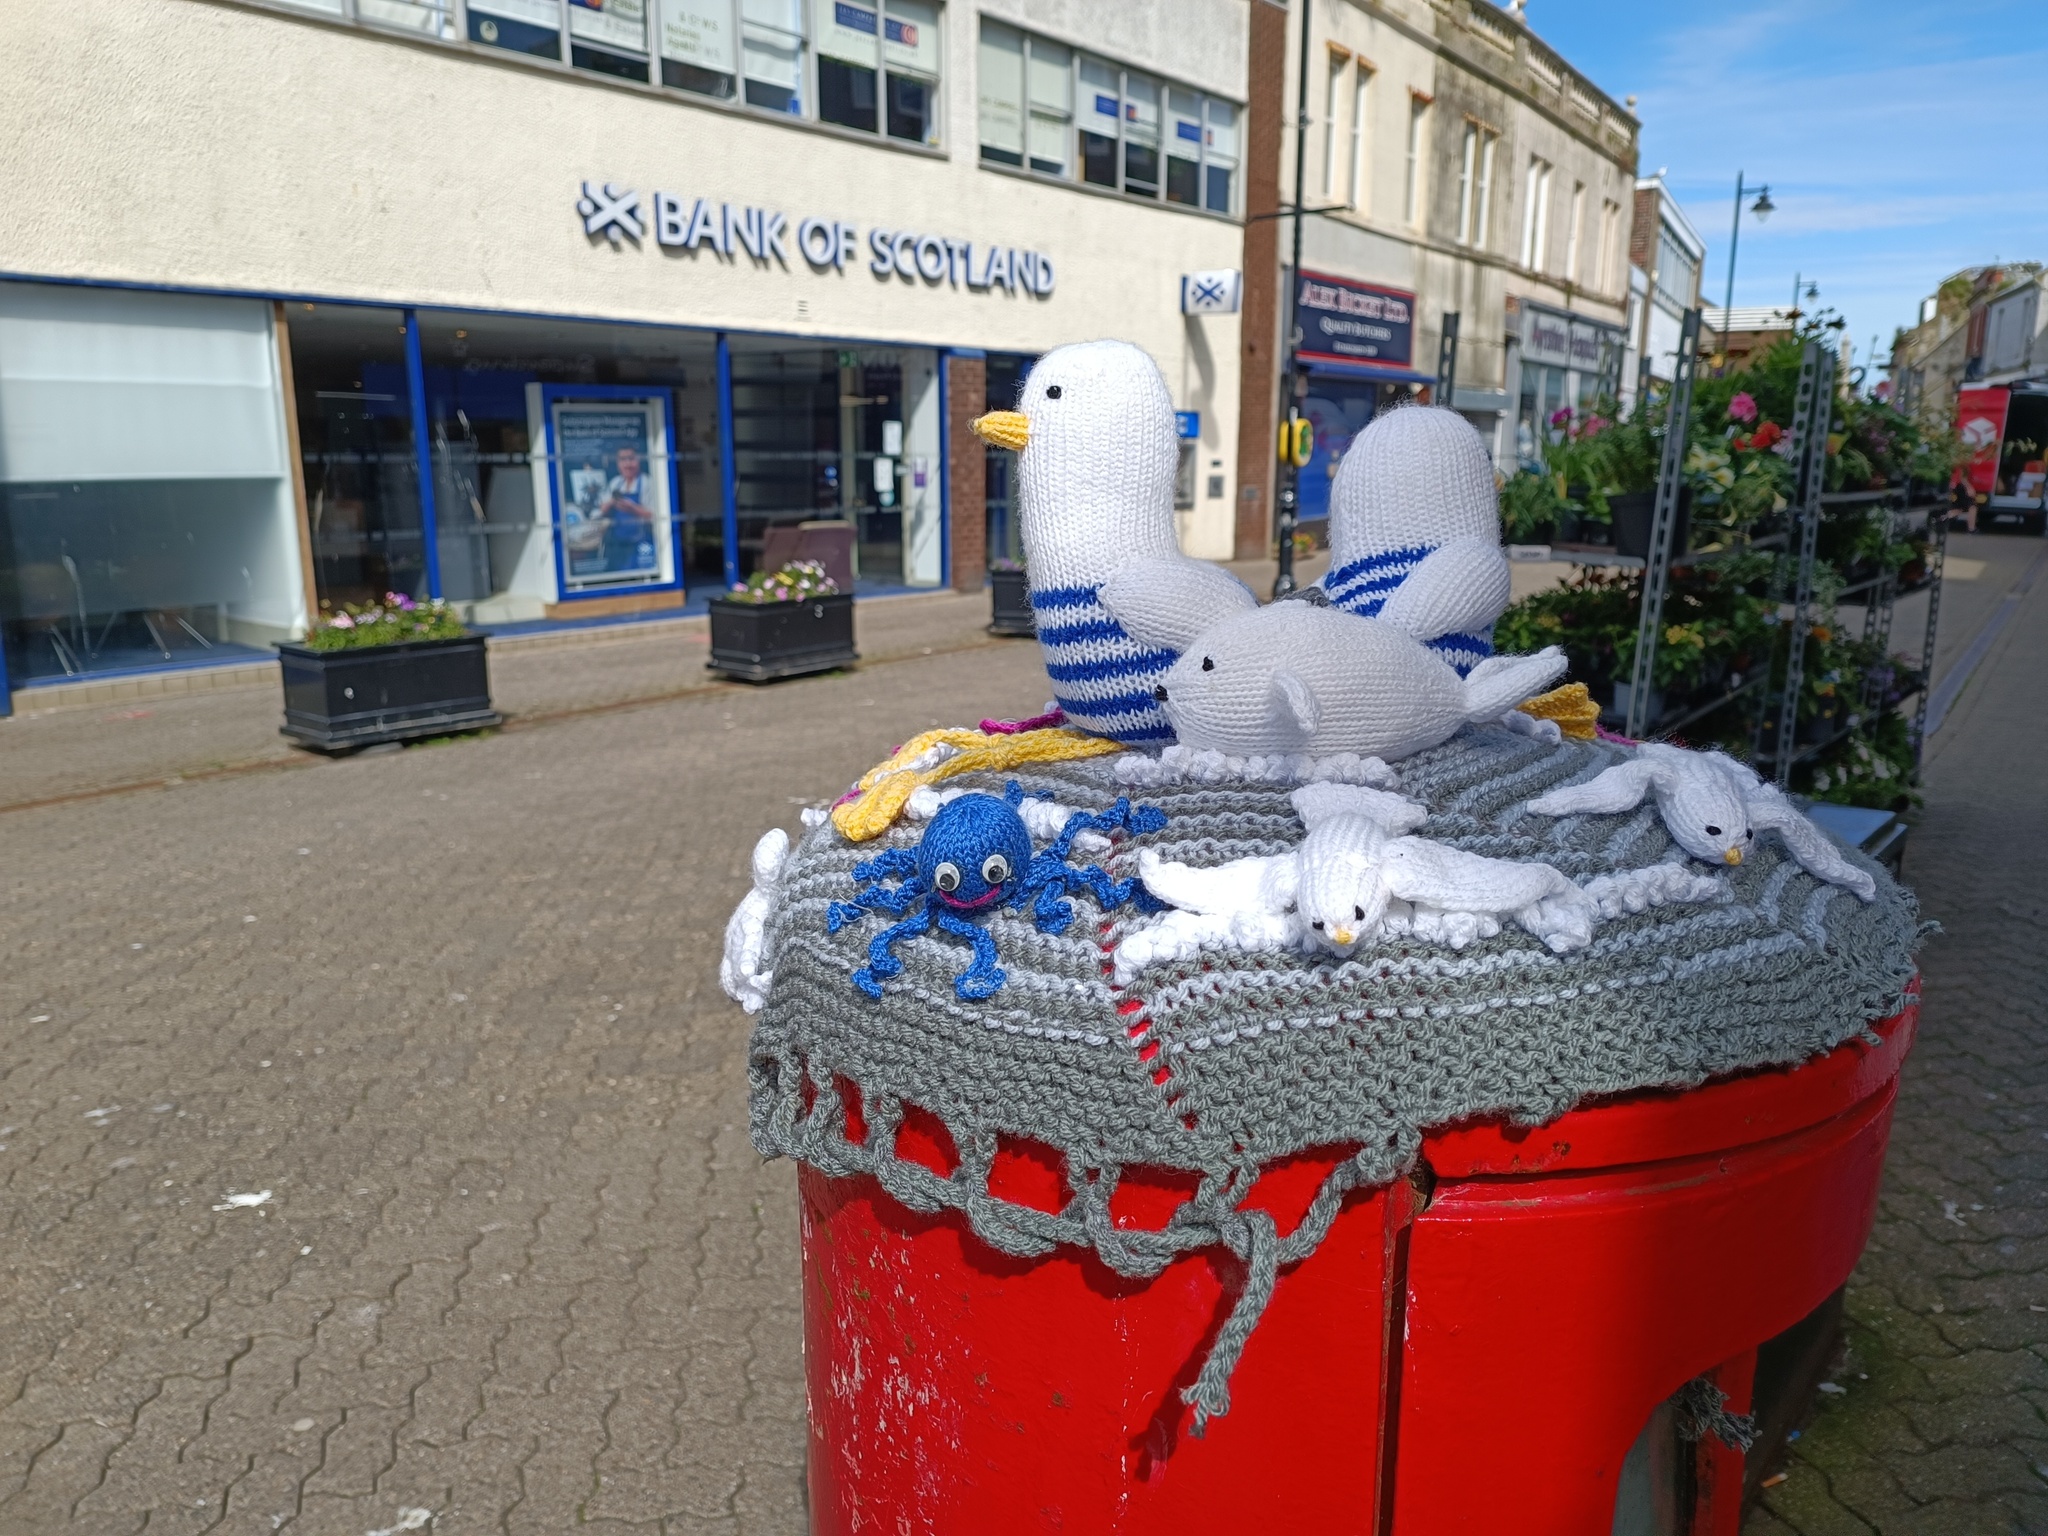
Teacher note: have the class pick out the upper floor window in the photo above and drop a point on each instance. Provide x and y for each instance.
(1475, 184)
(1610, 228)
(1415, 194)
(1069, 114)
(1575, 235)
(1361, 83)
(1536, 215)
(1677, 269)
(1333, 106)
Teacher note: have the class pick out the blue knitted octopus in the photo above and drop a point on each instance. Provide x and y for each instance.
(975, 857)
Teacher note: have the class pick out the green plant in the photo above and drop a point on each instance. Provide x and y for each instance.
(795, 582)
(1528, 502)
(393, 621)
(1872, 765)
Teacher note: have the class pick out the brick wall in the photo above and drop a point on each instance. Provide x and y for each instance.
(1642, 234)
(966, 470)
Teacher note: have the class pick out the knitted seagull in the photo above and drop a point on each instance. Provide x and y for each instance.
(1115, 599)
(1360, 873)
(1713, 808)
(1415, 532)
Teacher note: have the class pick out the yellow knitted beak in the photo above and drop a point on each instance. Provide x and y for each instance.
(1006, 429)
(1341, 935)
(1733, 856)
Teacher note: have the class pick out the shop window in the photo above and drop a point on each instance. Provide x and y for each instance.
(1220, 157)
(1100, 113)
(697, 43)
(631, 501)
(518, 26)
(1000, 86)
(1184, 148)
(1141, 135)
(1051, 77)
(355, 439)
(1006, 374)
(609, 37)
(772, 54)
(432, 18)
(146, 514)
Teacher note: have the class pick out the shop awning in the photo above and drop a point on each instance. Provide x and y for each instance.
(1337, 370)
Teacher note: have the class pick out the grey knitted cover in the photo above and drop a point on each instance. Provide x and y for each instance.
(1266, 1054)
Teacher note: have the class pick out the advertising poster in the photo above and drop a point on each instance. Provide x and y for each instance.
(1346, 322)
(611, 495)
(849, 31)
(535, 13)
(910, 37)
(610, 23)
(698, 32)
(1980, 423)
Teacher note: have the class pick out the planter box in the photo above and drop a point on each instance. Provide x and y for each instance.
(1010, 604)
(334, 700)
(1633, 513)
(759, 642)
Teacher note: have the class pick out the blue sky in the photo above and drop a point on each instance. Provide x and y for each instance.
(1896, 136)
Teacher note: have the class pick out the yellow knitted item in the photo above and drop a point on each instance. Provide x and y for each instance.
(879, 797)
(1570, 706)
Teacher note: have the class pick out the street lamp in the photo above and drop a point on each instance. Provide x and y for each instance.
(1762, 208)
(1288, 501)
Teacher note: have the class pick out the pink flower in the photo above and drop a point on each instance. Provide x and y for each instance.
(1561, 416)
(342, 621)
(1594, 425)
(1742, 408)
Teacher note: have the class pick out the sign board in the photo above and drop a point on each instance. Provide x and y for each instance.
(1211, 293)
(1346, 322)
(1980, 423)
(1188, 424)
(1558, 339)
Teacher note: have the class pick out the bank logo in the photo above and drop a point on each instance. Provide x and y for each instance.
(611, 211)
(1210, 293)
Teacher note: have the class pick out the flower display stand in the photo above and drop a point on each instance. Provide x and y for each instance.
(1010, 604)
(362, 696)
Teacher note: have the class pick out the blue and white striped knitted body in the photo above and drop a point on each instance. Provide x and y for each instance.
(1101, 677)
(1362, 586)
(1416, 480)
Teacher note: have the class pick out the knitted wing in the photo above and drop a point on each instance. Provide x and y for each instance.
(1813, 848)
(1254, 885)
(1460, 589)
(1168, 600)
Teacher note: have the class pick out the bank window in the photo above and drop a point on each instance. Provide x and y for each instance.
(878, 67)
(433, 18)
(1061, 114)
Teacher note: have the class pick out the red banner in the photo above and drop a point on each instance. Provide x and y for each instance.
(1980, 422)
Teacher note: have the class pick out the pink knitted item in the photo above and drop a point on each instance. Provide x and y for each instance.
(1046, 721)
(1601, 733)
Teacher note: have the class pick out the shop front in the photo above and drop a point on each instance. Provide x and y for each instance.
(1564, 362)
(599, 366)
(1358, 354)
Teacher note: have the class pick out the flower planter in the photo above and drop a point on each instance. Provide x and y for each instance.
(759, 642)
(1010, 604)
(334, 700)
(1633, 513)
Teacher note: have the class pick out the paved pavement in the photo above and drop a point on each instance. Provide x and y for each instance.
(452, 1014)
(1940, 1429)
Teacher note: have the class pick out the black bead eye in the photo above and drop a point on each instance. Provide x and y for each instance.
(1713, 831)
(947, 877)
(1358, 914)
(1052, 391)
(1749, 834)
(1208, 665)
(995, 869)
(1317, 925)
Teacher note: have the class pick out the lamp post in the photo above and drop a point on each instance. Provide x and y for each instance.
(1762, 209)
(1289, 500)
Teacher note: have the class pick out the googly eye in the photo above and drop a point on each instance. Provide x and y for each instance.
(995, 869)
(947, 877)
(1052, 392)
(1713, 831)
(1208, 664)
(1317, 925)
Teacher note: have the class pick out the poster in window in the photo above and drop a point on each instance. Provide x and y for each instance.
(910, 37)
(699, 33)
(849, 31)
(611, 495)
(535, 13)
(610, 23)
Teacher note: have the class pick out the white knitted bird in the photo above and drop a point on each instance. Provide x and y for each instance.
(1415, 532)
(1713, 808)
(1294, 677)
(1115, 599)
(1360, 874)
(739, 970)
